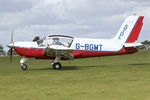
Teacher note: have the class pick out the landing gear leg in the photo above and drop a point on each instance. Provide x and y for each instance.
(56, 64)
(22, 63)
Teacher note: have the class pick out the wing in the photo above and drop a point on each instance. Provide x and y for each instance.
(59, 50)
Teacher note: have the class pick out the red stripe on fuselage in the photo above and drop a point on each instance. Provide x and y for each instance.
(84, 54)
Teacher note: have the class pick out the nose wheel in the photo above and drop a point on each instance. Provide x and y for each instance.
(24, 67)
(22, 63)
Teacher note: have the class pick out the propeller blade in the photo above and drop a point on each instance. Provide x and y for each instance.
(12, 37)
(11, 45)
(11, 50)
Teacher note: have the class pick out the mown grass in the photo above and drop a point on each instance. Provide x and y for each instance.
(124, 77)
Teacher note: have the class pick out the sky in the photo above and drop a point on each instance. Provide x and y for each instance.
(78, 18)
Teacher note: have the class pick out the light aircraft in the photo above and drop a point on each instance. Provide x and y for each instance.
(60, 47)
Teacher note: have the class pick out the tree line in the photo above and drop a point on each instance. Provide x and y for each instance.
(2, 52)
(145, 46)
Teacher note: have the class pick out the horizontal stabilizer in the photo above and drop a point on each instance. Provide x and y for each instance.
(132, 44)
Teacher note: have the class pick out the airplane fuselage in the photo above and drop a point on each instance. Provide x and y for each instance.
(86, 48)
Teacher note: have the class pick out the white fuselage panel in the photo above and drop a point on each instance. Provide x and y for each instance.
(96, 44)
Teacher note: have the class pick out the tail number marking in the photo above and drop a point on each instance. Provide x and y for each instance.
(90, 47)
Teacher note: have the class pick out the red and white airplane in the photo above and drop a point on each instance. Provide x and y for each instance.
(60, 47)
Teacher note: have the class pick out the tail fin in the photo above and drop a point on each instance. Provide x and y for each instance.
(130, 29)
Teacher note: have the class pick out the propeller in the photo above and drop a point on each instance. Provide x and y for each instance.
(11, 45)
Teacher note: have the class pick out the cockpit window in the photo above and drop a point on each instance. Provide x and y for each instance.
(56, 40)
(62, 40)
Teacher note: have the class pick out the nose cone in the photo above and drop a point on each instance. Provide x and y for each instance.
(10, 45)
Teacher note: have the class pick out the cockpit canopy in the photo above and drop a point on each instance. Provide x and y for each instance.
(56, 40)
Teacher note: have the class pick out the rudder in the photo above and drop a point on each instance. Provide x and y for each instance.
(136, 31)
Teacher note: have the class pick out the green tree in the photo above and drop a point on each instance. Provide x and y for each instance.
(2, 52)
(146, 44)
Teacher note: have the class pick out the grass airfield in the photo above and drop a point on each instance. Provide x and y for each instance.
(125, 77)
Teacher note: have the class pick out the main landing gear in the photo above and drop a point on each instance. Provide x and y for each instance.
(22, 63)
(56, 64)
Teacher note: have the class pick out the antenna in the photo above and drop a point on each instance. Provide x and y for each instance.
(134, 12)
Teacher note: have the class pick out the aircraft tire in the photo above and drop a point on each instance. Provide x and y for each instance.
(57, 65)
(24, 67)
